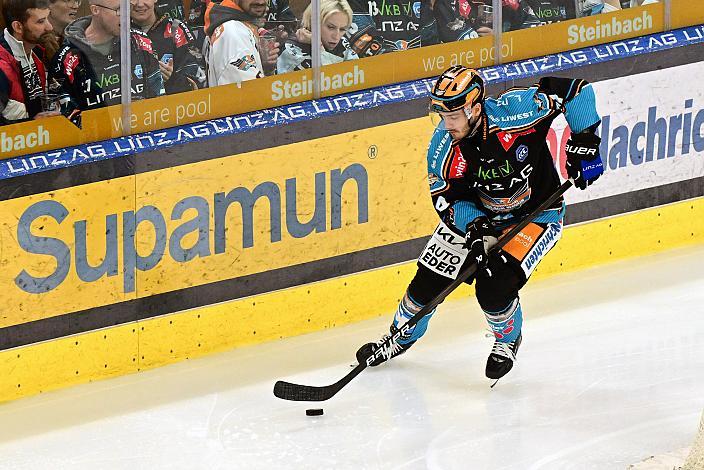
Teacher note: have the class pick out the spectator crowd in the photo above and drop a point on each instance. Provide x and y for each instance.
(63, 56)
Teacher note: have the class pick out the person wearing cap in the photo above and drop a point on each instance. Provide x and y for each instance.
(489, 166)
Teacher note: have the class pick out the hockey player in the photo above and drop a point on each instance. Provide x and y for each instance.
(488, 167)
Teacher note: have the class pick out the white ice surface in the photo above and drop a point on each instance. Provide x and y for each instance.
(611, 371)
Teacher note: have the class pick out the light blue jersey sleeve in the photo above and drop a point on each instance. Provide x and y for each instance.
(522, 108)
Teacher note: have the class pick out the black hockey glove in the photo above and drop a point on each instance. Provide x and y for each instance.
(583, 165)
(481, 235)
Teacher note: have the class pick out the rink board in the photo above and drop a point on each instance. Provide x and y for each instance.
(132, 247)
(183, 335)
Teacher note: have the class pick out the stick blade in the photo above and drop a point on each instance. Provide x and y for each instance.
(296, 392)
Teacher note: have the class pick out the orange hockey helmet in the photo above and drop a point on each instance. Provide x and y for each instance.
(458, 87)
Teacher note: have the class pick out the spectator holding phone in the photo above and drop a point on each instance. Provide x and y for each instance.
(335, 20)
(392, 25)
(458, 20)
(516, 14)
(171, 40)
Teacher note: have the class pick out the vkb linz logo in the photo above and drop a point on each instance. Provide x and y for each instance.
(521, 153)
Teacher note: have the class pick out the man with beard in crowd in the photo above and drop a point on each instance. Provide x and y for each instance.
(62, 13)
(23, 79)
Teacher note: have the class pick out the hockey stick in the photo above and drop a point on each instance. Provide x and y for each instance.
(297, 392)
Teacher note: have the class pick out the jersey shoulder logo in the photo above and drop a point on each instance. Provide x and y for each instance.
(217, 33)
(71, 61)
(143, 42)
(245, 63)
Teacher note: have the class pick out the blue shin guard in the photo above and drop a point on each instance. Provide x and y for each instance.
(406, 309)
(506, 324)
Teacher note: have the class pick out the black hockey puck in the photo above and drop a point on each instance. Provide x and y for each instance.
(314, 412)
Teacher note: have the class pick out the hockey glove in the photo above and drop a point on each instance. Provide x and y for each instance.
(481, 235)
(583, 165)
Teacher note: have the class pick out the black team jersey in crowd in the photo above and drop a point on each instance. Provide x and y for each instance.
(91, 77)
(506, 169)
(170, 8)
(172, 39)
(551, 11)
(381, 26)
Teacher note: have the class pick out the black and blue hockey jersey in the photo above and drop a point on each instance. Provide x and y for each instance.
(505, 170)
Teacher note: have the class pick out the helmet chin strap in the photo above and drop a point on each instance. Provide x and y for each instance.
(473, 128)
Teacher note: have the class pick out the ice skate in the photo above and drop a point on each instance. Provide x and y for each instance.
(502, 357)
(394, 349)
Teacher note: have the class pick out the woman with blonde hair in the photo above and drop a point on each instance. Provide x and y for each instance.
(335, 20)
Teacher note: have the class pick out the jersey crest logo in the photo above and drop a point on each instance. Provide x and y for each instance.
(522, 153)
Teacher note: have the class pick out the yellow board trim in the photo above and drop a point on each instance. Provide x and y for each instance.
(686, 13)
(128, 348)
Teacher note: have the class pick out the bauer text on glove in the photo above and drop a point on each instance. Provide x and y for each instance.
(583, 165)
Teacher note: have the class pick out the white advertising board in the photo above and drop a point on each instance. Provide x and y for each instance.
(652, 131)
